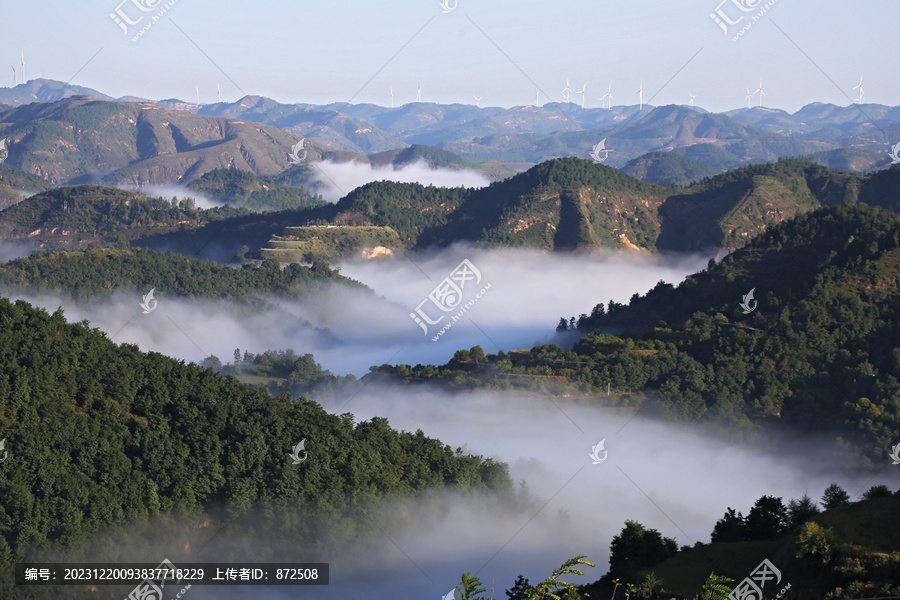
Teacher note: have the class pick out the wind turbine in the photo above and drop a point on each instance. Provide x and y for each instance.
(749, 96)
(641, 96)
(537, 97)
(15, 76)
(218, 93)
(584, 87)
(692, 98)
(392, 96)
(477, 101)
(567, 91)
(23, 69)
(609, 95)
(861, 91)
(419, 93)
(760, 92)
(198, 94)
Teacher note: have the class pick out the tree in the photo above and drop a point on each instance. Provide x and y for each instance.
(477, 353)
(800, 511)
(877, 491)
(730, 528)
(462, 356)
(563, 326)
(715, 588)
(517, 591)
(767, 519)
(469, 587)
(650, 587)
(638, 548)
(814, 541)
(546, 588)
(834, 496)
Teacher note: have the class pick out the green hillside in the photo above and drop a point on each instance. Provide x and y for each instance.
(94, 272)
(732, 208)
(668, 168)
(101, 435)
(326, 242)
(73, 216)
(558, 205)
(244, 189)
(13, 182)
(863, 556)
(563, 204)
(818, 354)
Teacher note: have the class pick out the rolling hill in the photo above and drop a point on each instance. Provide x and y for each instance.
(668, 168)
(561, 205)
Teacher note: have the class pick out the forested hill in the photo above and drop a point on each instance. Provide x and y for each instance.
(94, 272)
(574, 204)
(819, 351)
(14, 183)
(562, 204)
(99, 434)
(244, 188)
(70, 216)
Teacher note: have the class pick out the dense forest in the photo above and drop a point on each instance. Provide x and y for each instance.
(96, 272)
(819, 354)
(93, 210)
(100, 435)
(245, 189)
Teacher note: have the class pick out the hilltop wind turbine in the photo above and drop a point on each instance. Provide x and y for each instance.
(609, 95)
(198, 94)
(567, 91)
(760, 92)
(392, 96)
(477, 101)
(218, 93)
(692, 98)
(24, 80)
(861, 91)
(749, 97)
(15, 76)
(583, 88)
(641, 96)
(419, 93)
(537, 97)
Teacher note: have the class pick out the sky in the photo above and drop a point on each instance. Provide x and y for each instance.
(501, 51)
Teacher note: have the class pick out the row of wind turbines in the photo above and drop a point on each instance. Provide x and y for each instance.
(607, 98)
(16, 73)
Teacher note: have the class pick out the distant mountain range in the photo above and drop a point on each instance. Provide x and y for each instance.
(79, 135)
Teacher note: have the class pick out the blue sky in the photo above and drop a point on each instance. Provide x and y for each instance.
(320, 52)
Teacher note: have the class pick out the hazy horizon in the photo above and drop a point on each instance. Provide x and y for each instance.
(501, 53)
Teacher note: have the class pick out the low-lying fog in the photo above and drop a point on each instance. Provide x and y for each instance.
(673, 478)
(336, 180)
(678, 480)
(529, 291)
